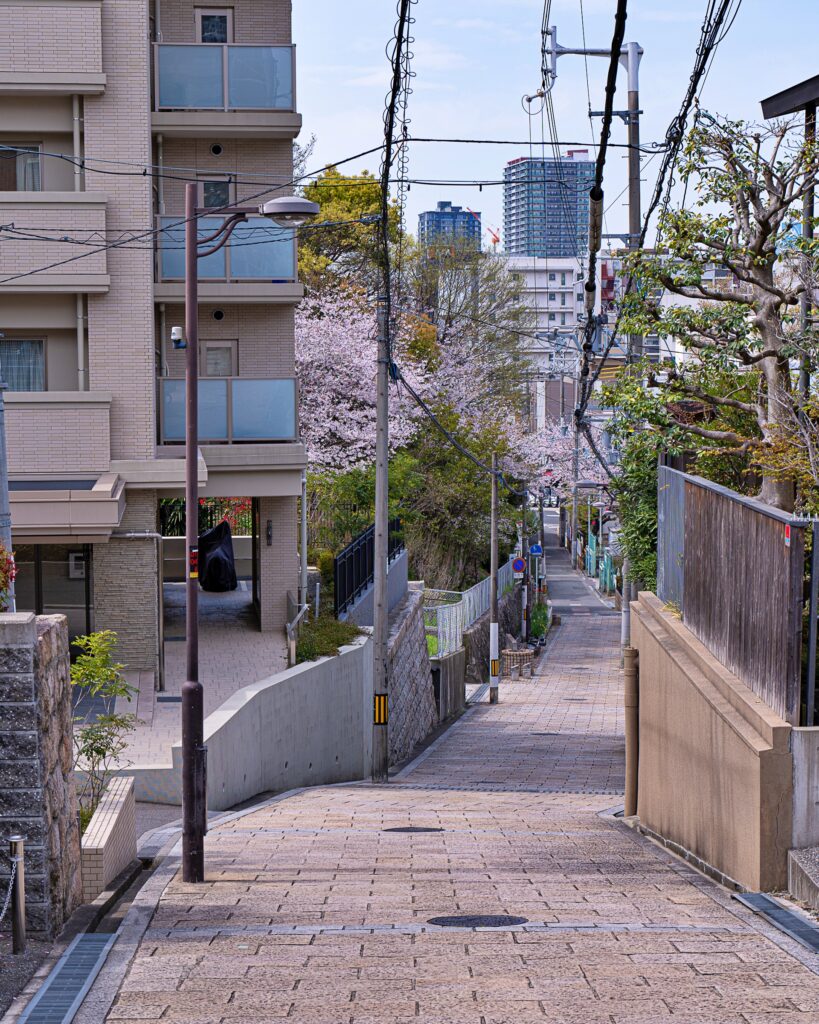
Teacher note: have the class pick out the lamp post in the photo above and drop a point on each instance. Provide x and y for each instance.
(5, 507)
(287, 211)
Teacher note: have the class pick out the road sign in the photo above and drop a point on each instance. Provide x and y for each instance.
(519, 565)
(535, 549)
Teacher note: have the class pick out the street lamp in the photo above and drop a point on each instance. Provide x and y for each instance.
(287, 211)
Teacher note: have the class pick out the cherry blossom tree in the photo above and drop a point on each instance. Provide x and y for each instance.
(336, 364)
(546, 457)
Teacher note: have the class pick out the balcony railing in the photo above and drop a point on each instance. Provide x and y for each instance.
(231, 410)
(217, 76)
(257, 251)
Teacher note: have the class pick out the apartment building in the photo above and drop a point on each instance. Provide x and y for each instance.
(108, 108)
(449, 225)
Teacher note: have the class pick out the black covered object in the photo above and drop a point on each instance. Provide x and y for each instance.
(217, 567)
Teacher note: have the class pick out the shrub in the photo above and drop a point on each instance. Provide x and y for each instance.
(322, 637)
(99, 745)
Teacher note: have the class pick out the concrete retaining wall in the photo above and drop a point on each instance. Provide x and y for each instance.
(37, 795)
(715, 766)
(109, 844)
(805, 750)
(397, 576)
(449, 680)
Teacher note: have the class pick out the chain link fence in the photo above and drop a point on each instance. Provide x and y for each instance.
(447, 613)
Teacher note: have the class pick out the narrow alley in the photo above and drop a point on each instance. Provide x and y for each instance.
(321, 907)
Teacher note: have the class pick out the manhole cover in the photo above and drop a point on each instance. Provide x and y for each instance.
(575, 700)
(545, 733)
(478, 921)
(413, 828)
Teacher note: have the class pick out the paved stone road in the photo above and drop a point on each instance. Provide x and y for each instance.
(313, 912)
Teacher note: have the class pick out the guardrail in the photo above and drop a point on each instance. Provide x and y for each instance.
(448, 613)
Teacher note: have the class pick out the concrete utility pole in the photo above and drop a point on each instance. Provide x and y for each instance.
(806, 300)
(630, 57)
(494, 646)
(5, 507)
(524, 554)
(381, 755)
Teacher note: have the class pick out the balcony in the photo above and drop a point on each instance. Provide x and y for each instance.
(232, 410)
(52, 50)
(257, 265)
(239, 90)
(80, 215)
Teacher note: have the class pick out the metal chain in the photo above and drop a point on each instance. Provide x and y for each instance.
(11, 889)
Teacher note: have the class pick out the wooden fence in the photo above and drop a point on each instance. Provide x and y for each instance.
(734, 568)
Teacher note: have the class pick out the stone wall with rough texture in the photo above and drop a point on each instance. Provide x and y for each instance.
(476, 638)
(37, 795)
(413, 714)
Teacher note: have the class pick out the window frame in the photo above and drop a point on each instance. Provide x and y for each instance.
(29, 147)
(43, 342)
(232, 345)
(205, 179)
(199, 12)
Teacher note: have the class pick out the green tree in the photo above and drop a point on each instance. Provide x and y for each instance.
(734, 253)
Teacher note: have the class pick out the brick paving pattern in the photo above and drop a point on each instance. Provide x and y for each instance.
(312, 912)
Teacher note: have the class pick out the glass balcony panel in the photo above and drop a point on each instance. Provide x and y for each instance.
(260, 78)
(259, 251)
(172, 250)
(264, 410)
(212, 404)
(190, 78)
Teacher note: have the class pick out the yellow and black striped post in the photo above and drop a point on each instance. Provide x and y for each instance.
(380, 709)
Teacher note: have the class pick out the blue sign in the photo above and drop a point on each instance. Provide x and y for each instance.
(518, 565)
(535, 549)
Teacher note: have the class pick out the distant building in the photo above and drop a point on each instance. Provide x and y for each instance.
(546, 205)
(449, 225)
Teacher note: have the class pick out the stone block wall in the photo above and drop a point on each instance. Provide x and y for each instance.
(413, 714)
(37, 795)
(476, 638)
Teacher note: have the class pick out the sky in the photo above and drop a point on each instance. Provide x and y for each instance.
(474, 61)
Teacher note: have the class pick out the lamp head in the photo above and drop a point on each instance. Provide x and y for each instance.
(178, 338)
(290, 211)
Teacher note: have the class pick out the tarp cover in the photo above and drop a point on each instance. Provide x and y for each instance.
(217, 567)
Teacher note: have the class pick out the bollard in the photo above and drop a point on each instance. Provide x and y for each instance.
(18, 895)
(631, 702)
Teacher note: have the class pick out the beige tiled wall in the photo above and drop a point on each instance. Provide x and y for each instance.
(17, 257)
(120, 323)
(60, 440)
(51, 37)
(109, 843)
(279, 562)
(254, 21)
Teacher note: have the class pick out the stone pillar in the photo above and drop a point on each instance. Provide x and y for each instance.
(37, 795)
(125, 580)
(279, 560)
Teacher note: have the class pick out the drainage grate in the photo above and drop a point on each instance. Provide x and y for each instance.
(479, 921)
(545, 733)
(413, 829)
(64, 989)
(576, 700)
(798, 927)
(169, 698)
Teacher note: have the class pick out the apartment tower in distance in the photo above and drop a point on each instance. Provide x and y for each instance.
(449, 225)
(98, 94)
(546, 205)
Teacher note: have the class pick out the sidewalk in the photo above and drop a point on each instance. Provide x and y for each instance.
(314, 912)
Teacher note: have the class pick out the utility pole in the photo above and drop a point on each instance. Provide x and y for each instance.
(524, 554)
(5, 507)
(806, 300)
(575, 475)
(494, 646)
(381, 753)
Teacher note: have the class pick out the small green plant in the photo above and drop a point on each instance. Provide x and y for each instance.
(322, 637)
(432, 646)
(99, 745)
(539, 626)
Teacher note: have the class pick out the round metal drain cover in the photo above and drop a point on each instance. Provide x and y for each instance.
(576, 700)
(413, 828)
(478, 921)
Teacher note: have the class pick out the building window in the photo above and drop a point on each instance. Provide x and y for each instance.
(552, 277)
(552, 296)
(214, 25)
(20, 168)
(563, 278)
(218, 358)
(215, 194)
(563, 319)
(552, 316)
(562, 298)
(55, 579)
(22, 364)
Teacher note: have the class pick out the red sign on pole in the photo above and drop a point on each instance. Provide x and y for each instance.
(787, 535)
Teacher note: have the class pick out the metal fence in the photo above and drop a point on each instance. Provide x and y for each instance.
(353, 567)
(448, 613)
(734, 568)
(211, 511)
